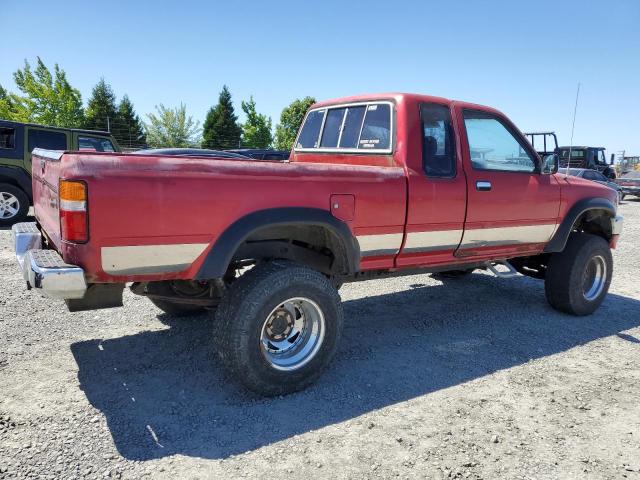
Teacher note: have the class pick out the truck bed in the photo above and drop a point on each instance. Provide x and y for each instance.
(141, 207)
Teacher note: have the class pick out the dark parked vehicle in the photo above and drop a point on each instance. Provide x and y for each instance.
(17, 141)
(592, 158)
(190, 152)
(596, 176)
(263, 154)
(629, 182)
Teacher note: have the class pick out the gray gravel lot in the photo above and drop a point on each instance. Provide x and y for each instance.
(471, 378)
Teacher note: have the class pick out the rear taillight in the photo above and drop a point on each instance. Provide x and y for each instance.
(74, 222)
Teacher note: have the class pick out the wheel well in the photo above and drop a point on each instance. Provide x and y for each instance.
(10, 181)
(15, 183)
(596, 222)
(313, 245)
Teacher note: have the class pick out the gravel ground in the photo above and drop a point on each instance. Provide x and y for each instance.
(475, 378)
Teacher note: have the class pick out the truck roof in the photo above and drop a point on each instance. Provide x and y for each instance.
(400, 97)
(580, 147)
(77, 130)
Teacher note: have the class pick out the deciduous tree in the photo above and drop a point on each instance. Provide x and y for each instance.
(172, 127)
(290, 121)
(49, 98)
(11, 107)
(256, 131)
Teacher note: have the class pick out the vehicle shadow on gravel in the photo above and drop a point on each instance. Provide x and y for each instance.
(164, 392)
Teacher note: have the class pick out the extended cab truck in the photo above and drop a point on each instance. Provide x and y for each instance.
(377, 185)
(17, 141)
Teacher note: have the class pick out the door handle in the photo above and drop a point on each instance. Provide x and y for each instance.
(483, 186)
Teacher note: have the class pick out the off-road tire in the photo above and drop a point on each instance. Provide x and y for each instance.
(243, 311)
(177, 309)
(23, 201)
(564, 282)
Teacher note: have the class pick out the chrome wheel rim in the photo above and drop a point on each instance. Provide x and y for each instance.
(9, 205)
(292, 334)
(594, 278)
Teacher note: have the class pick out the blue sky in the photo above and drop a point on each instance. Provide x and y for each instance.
(525, 58)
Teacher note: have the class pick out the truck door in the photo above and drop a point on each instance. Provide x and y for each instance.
(437, 189)
(512, 208)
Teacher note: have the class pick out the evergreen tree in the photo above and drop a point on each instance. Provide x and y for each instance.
(48, 98)
(290, 121)
(221, 129)
(128, 128)
(256, 131)
(101, 106)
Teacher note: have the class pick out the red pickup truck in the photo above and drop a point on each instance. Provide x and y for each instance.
(376, 186)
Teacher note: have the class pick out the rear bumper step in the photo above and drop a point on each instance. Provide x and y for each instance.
(45, 270)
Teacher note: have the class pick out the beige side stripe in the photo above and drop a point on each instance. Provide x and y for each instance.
(486, 237)
(145, 259)
(385, 244)
(389, 244)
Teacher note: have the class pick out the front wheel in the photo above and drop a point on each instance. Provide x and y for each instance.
(278, 327)
(578, 278)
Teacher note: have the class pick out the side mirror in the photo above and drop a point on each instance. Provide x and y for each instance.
(550, 164)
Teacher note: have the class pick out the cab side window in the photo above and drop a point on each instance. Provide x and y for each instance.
(493, 146)
(7, 138)
(438, 150)
(47, 140)
(95, 144)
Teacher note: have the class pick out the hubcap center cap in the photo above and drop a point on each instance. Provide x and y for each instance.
(280, 325)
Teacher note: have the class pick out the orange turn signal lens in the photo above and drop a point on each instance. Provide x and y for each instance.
(74, 221)
(73, 190)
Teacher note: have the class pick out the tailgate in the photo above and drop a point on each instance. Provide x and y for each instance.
(45, 169)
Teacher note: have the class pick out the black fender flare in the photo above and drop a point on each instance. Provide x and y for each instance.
(559, 240)
(18, 177)
(220, 255)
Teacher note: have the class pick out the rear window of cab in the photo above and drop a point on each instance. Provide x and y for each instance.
(352, 128)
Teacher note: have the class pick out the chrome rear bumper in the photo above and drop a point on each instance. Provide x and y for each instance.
(44, 269)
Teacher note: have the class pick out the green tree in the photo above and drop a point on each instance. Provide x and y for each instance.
(221, 129)
(5, 105)
(128, 129)
(49, 99)
(256, 131)
(101, 109)
(172, 127)
(290, 121)
(11, 108)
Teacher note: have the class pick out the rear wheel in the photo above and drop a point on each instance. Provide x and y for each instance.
(578, 278)
(14, 204)
(278, 327)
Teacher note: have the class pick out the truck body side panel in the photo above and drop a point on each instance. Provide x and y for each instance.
(156, 217)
